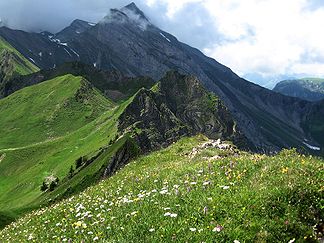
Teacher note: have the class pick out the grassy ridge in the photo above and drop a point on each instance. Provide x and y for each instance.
(80, 120)
(48, 110)
(12, 62)
(169, 196)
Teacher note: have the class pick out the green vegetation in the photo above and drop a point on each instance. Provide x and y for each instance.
(12, 63)
(53, 124)
(172, 195)
(49, 110)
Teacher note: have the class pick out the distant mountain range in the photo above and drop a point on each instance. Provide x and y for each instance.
(311, 89)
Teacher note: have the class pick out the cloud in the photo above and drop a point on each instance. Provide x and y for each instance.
(255, 38)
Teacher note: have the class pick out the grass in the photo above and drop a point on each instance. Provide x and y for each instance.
(19, 64)
(169, 196)
(54, 124)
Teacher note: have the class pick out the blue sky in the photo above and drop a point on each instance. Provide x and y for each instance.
(264, 40)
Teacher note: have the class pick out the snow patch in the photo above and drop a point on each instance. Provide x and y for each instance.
(40, 54)
(32, 59)
(91, 24)
(165, 37)
(68, 52)
(77, 54)
(95, 64)
(312, 147)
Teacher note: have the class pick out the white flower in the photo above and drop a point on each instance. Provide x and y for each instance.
(236, 241)
(292, 241)
(206, 183)
(152, 230)
(193, 183)
(193, 229)
(167, 214)
(133, 213)
(96, 238)
(90, 233)
(226, 187)
(166, 209)
(173, 215)
(163, 191)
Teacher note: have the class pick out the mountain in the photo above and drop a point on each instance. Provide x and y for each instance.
(12, 64)
(311, 89)
(125, 40)
(66, 123)
(113, 84)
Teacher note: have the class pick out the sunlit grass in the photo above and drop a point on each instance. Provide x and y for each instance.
(167, 196)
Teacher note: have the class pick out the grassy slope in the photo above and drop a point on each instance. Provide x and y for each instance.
(265, 199)
(21, 66)
(47, 111)
(78, 133)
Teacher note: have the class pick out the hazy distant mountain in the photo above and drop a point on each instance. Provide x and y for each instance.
(311, 89)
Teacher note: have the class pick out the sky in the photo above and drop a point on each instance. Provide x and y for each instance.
(264, 41)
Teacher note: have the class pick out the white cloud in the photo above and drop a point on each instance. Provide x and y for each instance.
(266, 37)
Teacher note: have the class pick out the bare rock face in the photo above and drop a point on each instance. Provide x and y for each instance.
(177, 106)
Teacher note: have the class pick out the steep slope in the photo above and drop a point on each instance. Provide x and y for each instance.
(62, 105)
(311, 89)
(125, 40)
(178, 106)
(54, 123)
(73, 31)
(113, 84)
(12, 64)
(214, 195)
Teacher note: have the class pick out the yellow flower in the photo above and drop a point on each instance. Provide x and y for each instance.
(284, 170)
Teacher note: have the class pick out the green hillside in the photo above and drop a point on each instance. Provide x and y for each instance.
(212, 195)
(12, 63)
(48, 110)
(53, 125)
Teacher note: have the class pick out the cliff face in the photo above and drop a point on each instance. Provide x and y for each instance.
(177, 106)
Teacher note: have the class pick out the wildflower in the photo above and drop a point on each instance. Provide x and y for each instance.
(30, 237)
(284, 170)
(167, 214)
(152, 230)
(134, 213)
(206, 183)
(78, 224)
(226, 187)
(218, 228)
(236, 241)
(166, 209)
(193, 183)
(90, 233)
(193, 229)
(163, 191)
(205, 210)
(96, 238)
(292, 241)
(173, 215)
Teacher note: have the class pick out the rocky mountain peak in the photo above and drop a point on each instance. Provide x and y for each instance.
(129, 14)
(133, 8)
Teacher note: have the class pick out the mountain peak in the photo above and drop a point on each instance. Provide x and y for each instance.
(133, 8)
